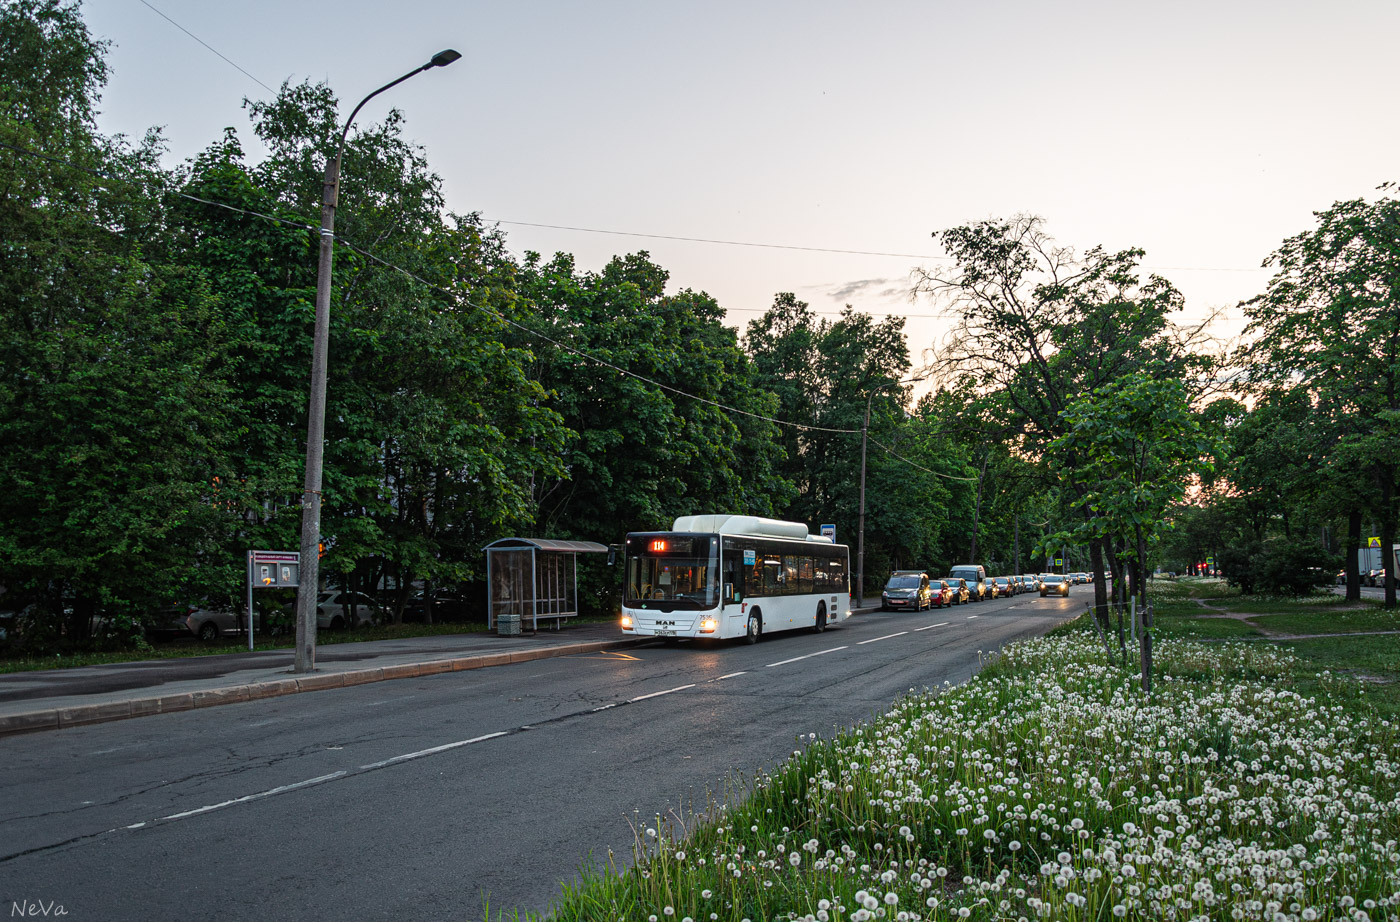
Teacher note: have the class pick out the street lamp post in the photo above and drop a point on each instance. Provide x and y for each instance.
(316, 413)
(860, 539)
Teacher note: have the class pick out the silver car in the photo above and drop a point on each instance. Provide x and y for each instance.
(339, 609)
(208, 624)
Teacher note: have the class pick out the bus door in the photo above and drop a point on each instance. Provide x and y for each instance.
(736, 560)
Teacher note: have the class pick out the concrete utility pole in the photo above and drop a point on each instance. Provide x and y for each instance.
(860, 539)
(308, 591)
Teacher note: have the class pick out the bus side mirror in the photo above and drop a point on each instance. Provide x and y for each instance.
(612, 554)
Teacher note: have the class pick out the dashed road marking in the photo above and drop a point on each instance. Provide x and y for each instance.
(666, 692)
(886, 637)
(808, 656)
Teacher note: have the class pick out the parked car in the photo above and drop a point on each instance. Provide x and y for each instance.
(907, 590)
(961, 593)
(1031, 582)
(1054, 584)
(975, 577)
(449, 604)
(942, 593)
(208, 623)
(1003, 586)
(340, 609)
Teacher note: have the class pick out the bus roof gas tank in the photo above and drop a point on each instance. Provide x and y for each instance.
(742, 525)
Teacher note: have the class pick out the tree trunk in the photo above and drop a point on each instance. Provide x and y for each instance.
(1115, 596)
(1146, 649)
(1388, 536)
(1016, 543)
(977, 510)
(1354, 556)
(1146, 612)
(1100, 588)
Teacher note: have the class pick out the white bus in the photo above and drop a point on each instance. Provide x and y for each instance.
(718, 576)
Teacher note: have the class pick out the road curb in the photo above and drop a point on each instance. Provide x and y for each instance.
(80, 715)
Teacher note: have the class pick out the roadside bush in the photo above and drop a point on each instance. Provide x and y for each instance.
(1278, 566)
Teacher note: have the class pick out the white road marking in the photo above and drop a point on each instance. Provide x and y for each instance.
(808, 656)
(886, 637)
(243, 800)
(428, 752)
(666, 692)
(970, 617)
(731, 675)
(932, 626)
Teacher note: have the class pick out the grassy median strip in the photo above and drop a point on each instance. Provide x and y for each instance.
(1051, 786)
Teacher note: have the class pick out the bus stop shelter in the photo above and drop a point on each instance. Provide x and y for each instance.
(529, 579)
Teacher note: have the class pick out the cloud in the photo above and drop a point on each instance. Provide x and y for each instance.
(883, 289)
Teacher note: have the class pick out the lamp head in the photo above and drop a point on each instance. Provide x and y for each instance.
(444, 58)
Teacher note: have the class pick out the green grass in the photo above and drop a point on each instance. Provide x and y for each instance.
(1334, 620)
(1050, 786)
(1372, 663)
(1197, 627)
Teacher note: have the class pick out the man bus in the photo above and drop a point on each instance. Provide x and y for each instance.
(719, 576)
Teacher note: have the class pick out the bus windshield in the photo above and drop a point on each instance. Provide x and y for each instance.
(672, 572)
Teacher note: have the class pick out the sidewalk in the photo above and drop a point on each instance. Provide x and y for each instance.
(56, 698)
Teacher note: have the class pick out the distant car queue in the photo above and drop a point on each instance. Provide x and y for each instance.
(913, 590)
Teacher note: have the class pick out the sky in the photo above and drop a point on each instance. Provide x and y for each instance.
(1205, 133)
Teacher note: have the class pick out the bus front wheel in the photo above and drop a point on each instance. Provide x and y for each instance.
(754, 629)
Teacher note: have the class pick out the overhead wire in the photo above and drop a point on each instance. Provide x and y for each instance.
(209, 46)
(732, 243)
(893, 454)
(808, 249)
(351, 245)
(716, 241)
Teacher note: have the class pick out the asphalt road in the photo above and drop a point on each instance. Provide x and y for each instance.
(423, 798)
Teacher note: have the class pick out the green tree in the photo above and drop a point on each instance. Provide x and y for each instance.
(111, 399)
(826, 374)
(436, 430)
(1038, 327)
(1329, 322)
(673, 424)
(1132, 447)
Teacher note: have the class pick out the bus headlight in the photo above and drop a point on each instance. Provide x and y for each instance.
(708, 625)
(627, 622)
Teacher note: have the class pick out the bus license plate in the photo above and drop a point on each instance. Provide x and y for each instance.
(665, 632)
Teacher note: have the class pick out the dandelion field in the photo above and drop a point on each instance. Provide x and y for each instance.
(1051, 787)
